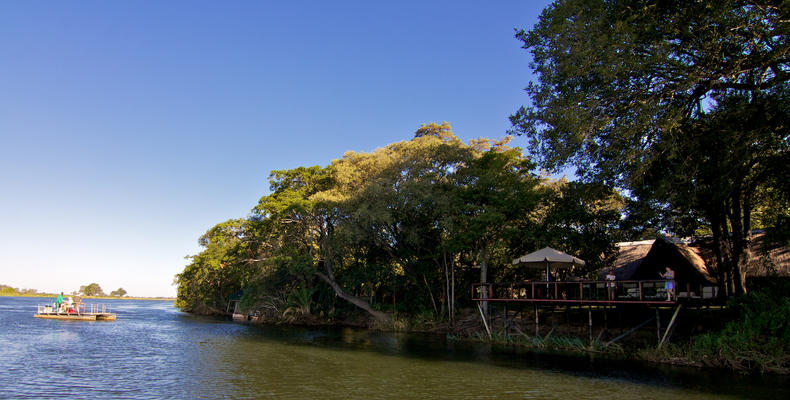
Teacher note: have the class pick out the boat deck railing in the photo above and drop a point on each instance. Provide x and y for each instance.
(79, 309)
(592, 292)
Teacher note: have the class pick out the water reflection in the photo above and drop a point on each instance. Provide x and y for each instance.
(154, 351)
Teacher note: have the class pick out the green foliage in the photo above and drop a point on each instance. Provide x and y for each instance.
(299, 301)
(387, 230)
(118, 293)
(683, 104)
(757, 338)
(550, 342)
(583, 219)
(8, 291)
(221, 269)
(92, 289)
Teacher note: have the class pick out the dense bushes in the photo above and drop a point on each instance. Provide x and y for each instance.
(405, 229)
(757, 337)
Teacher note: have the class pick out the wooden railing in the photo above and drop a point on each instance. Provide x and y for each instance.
(586, 291)
(78, 308)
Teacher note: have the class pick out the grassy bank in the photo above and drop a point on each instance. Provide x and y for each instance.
(750, 335)
(53, 295)
(755, 338)
(129, 298)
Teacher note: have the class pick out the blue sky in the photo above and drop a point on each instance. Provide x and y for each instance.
(128, 128)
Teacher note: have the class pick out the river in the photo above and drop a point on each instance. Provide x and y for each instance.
(154, 351)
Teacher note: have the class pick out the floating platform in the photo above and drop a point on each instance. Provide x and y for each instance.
(83, 312)
(78, 317)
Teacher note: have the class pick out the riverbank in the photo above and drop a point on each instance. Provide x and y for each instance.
(750, 335)
(687, 352)
(53, 295)
(130, 298)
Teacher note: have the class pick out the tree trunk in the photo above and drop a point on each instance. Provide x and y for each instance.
(452, 292)
(430, 292)
(747, 227)
(484, 278)
(361, 303)
(737, 239)
(329, 278)
(446, 288)
(719, 251)
(450, 286)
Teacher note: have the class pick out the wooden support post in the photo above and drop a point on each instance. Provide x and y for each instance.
(483, 316)
(507, 323)
(641, 292)
(658, 325)
(589, 322)
(537, 323)
(632, 330)
(670, 326)
(489, 306)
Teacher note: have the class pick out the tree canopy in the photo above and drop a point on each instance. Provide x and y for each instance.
(92, 289)
(394, 230)
(684, 105)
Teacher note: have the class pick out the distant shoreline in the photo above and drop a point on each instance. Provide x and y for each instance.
(92, 297)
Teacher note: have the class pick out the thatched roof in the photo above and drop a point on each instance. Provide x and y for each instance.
(629, 258)
(628, 252)
(765, 258)
(645, 260)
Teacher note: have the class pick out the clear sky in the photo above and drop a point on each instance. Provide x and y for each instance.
(128, 128)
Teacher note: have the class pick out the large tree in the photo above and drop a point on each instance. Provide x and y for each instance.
(682, 103)
(219, 270)
(389, 231)
(92, 289)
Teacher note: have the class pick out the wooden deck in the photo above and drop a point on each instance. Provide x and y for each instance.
(645, 292)
(77, 317)
(650, 294)
(83, 312)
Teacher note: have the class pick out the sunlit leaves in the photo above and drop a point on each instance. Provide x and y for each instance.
(382, 225)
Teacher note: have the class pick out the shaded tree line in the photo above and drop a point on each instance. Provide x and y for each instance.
(405, 229)
(681, 105)
(675, 115)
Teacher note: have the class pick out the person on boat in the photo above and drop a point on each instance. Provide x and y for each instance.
(69, 305)
(610, 285)
(58, 302)
(669, 285)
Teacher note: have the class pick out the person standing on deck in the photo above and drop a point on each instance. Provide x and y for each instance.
(58, 302)
(669, 285)
(610, 285)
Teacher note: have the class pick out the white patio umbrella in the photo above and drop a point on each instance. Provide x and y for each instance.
(549, 258)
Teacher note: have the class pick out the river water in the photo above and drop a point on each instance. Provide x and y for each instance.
(154, 351)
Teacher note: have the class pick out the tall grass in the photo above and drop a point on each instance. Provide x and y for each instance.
(756, 339)
(548, 342)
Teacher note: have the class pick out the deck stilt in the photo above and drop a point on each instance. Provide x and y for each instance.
(485, 323)
(658, 325)
(670, 326)
(632, 330)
